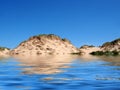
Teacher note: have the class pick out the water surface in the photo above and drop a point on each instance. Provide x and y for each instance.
(60, 73)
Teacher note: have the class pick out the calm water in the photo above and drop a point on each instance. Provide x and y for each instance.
(58, 73)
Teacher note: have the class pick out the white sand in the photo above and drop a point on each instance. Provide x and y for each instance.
(4, 53)
(44, 46)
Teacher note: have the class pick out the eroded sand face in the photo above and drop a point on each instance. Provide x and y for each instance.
(46, 65)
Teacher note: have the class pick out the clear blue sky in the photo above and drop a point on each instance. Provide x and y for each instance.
(80, 21)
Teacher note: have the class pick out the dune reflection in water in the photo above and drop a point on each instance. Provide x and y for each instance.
(112, 60)
(60, 73)
(46, 65)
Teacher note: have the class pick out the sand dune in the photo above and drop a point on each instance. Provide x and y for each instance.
(44, 45)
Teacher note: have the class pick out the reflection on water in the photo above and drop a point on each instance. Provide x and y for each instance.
(60, 73)
(46, 65)
(113, 61)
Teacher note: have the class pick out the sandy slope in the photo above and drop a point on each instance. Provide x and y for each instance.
(86, 50)
(111, 46)
(4, 53)
(44, 45)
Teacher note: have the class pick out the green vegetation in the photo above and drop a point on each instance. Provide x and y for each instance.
(3, 48)
(46, 35)
(117, 40)
(53, 36)
(111, 43)
(106, 53)
(50, 36)
(107, 44)
(64, 39)
(78, 53)
(86, 46)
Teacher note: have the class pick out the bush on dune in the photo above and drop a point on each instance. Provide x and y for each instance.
(106, 53)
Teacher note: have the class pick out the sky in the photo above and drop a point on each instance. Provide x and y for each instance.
(91, 22)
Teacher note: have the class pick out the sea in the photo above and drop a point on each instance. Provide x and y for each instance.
(60, 73)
